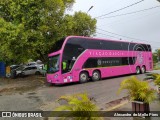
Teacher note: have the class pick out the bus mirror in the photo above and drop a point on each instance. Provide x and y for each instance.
(74, 58)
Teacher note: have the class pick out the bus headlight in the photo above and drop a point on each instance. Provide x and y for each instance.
(56, 76)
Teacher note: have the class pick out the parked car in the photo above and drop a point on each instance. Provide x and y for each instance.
(28, 70)
(39, 65)
(31, 63)
(14, 67)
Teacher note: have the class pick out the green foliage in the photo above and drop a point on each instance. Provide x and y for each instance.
(29, 28)
(156, 78)
(79, 102)
(154, 56)
(138, 90)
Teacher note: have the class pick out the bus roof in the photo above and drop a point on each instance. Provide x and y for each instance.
(104, 39)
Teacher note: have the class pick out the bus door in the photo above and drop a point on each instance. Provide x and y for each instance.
(67, 73)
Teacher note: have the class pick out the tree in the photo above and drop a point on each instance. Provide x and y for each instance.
(28, 29)
(156, 55)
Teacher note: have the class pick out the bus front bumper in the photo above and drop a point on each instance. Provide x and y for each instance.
(54, 78)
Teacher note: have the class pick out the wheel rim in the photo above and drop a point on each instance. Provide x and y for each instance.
(95, 75)
(138, 70)
(83, 77)
(143, 70)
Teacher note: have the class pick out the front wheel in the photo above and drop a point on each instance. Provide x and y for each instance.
(22, 74)
(96, 76)
(83, 77)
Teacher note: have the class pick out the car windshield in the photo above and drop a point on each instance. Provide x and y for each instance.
(53, 65)
(20, 68)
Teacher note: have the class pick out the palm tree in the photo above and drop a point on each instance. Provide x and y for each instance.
(138, 90)
(140, 93)
(80, 107)
(156, 78)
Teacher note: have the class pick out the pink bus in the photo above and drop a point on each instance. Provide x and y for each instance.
(80, 59)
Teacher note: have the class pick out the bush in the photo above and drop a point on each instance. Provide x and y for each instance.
(138, 90)
(157, 79)
(80, 103)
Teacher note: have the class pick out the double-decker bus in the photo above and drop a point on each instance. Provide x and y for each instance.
(80, 59)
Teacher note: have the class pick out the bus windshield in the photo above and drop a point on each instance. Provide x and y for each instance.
(53, 65)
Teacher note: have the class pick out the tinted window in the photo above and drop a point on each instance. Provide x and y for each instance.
(33, 68)
(93, 44)
(138, 47)
(28, 68)
(57, 45)
(106, 62)
(53, 64)
(108, 45)
(149, 48)
(73, 48)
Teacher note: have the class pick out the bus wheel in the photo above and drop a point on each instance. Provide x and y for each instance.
(96, 76)
(83, 77)
(143, 69)
(138, 70)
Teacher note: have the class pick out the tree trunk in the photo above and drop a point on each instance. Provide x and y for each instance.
(41, 56)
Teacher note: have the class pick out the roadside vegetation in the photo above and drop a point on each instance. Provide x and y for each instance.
(79, 105)
(138, 90)
(156, 58)
(30, 28)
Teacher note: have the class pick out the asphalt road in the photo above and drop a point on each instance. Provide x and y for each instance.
(44, 97)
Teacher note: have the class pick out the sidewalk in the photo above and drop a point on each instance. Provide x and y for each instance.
(155, 106)
(127, 106)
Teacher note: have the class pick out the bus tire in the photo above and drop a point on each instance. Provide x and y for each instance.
(96, 75)
(83, 77)
(138, 70)
(143, 69)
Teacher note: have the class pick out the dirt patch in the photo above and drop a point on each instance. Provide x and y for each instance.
(21, 85)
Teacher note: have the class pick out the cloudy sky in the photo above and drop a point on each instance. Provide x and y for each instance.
(141, 26)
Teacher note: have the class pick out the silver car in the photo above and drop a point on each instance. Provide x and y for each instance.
(28, 70)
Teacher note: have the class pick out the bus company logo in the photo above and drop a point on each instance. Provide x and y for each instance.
(140, 57)
(106, 53)
(99, 62)
(6, 114)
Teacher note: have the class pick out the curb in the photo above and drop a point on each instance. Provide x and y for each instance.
(117, 103)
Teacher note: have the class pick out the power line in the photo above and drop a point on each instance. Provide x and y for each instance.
(107, 35)
(153, 46)
(120, 9)
(117, 34)
(131, 12)
(132, 19)
(124, 35)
